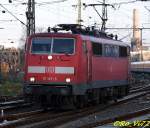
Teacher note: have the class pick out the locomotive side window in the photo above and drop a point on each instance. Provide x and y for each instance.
(41, 45)
(115, 51)
(61, 45)
(111, 50)
(107, 50)
(123, 51)
(97, 49)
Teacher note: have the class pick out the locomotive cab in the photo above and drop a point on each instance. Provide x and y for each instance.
(48, 60)
(54, 66)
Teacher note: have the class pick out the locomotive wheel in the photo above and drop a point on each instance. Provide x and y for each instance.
(96, 97)
(53, 100)
(103, 96)
(62, 102)
(28, 98)
(121, 92)
(68, 102)
(127, 89)
(57, 101)
(80, 101)
(44, 103)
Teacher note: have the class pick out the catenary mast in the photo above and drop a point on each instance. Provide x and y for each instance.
(30, 14)
(79, 12)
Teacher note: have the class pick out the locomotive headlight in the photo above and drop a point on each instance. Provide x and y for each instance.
(68, 80)
(50, 57)
(32, 79)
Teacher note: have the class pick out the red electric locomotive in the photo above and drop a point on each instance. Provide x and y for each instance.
(77, 67)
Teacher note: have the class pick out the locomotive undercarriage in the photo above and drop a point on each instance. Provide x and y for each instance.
(91, 97)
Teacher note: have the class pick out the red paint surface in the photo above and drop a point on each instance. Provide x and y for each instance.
(87, 67)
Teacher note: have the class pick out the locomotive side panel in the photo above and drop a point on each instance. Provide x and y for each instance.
(110, 64)
(109, 72)
(109, 69)
(82, 72)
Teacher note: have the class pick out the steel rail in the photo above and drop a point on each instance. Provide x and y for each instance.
(19, 115)
(118, 118)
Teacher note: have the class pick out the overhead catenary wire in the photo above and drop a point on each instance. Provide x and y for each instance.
(13, 15)
(8, 20)
(19, 2)
(24, 3)
(126, 36)
(52, 2)
(148, 9)
(126, 2)
(55, 1)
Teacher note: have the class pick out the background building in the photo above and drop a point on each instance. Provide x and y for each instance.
(9, 61)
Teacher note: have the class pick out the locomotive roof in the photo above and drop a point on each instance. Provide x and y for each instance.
(102, 40)
(86, 33)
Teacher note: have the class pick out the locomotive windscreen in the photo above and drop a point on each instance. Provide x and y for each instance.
(53, 45)
(41, 45)
(63, 46)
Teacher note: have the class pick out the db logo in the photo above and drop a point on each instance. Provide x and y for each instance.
(49, 69)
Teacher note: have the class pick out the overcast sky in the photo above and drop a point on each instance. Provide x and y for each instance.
(48, 14)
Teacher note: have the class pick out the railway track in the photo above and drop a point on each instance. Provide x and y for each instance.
(11, 103)
(44, 119)
(139, 89)
(13, 106)
(52, 118)
(10, 98)
(123, 111)
(19, 115)
(123, 120)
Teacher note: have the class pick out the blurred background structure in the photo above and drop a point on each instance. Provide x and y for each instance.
(9, 63)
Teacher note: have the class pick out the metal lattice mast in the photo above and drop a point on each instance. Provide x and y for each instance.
(104, 12)
(104, 16)
(30, 14)
(79, 12)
